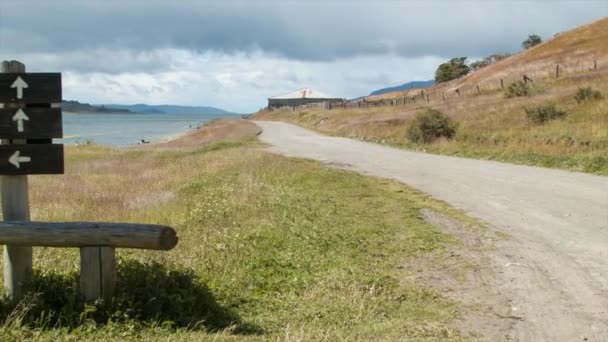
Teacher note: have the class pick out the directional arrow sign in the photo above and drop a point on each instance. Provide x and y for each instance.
(31, 159)
(20, 85)
(16, 159)
(30, 123)
(30, 88)
(19, 117)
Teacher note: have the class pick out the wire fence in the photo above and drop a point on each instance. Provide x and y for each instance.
(456, 88)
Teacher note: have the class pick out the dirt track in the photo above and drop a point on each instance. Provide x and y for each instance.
(554, 269)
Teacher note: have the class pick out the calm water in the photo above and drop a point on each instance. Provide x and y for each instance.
(128, 129)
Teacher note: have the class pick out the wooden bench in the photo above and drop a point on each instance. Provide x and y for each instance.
(96, 240)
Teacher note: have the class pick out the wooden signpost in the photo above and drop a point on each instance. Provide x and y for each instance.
(29, 120)
(34, 88)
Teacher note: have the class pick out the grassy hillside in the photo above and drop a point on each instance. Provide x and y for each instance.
(271, 248)
(489, 124)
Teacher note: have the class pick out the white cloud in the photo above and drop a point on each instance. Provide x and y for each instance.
(241, 82)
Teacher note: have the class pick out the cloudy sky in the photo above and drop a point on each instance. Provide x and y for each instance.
(235, 54)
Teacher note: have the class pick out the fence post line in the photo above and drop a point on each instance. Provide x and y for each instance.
(478, 90)
(502, 84)
(15, 207)
(443, 95)
(556, 70)
(595, 65)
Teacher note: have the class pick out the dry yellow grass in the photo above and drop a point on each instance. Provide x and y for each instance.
(215, 131)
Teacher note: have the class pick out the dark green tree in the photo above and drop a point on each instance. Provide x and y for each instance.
(532, 40)
(453, 69)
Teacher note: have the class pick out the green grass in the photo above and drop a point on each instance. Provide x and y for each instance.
(270, 248)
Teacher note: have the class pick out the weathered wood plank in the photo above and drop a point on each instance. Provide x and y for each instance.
(31, 159)
(15, 207)
(107, 257)
(97, 273)
(30, 123)
(81, 234)
(90, 273)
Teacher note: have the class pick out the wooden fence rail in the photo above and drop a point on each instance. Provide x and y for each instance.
(82, 234)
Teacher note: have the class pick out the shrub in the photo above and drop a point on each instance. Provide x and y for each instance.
(543, 113)
(587, 94)
(518, 88)
(430, 125)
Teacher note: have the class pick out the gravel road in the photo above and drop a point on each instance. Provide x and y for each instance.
(556, 271)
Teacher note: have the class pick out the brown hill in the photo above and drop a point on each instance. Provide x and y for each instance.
(574, 51)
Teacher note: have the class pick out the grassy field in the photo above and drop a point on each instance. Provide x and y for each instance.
(271, 248)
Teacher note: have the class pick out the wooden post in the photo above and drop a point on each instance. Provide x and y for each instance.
(594, 65)
(556, 70)
(443, 95)
(15, 207)
(428, 98)
(97, 273)
(502, 84)
(478, 90)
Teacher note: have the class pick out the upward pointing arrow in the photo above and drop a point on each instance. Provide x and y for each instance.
(19, 117)
(16, 160)
(20, 85)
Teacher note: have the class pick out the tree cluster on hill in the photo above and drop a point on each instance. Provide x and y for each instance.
(532, 40)
(457, 67)
(489, 60)
(453, 69)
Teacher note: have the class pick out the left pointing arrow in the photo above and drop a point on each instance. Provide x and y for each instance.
(19, 117)
(20, 85)
(16, 159)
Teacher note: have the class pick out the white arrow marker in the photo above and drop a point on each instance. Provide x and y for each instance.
(16, 160)
(20, 85)
(19, 117)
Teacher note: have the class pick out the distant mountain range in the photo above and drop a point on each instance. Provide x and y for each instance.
(405, 86)
(169, 109)
(80, 107)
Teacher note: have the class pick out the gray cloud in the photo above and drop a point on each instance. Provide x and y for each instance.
(302, 30)
(236, 54)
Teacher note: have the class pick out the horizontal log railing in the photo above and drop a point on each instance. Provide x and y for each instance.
(96, 241)
(82, 234)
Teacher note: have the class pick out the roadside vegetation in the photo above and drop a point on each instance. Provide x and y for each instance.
(429, 126)
(270, 248)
